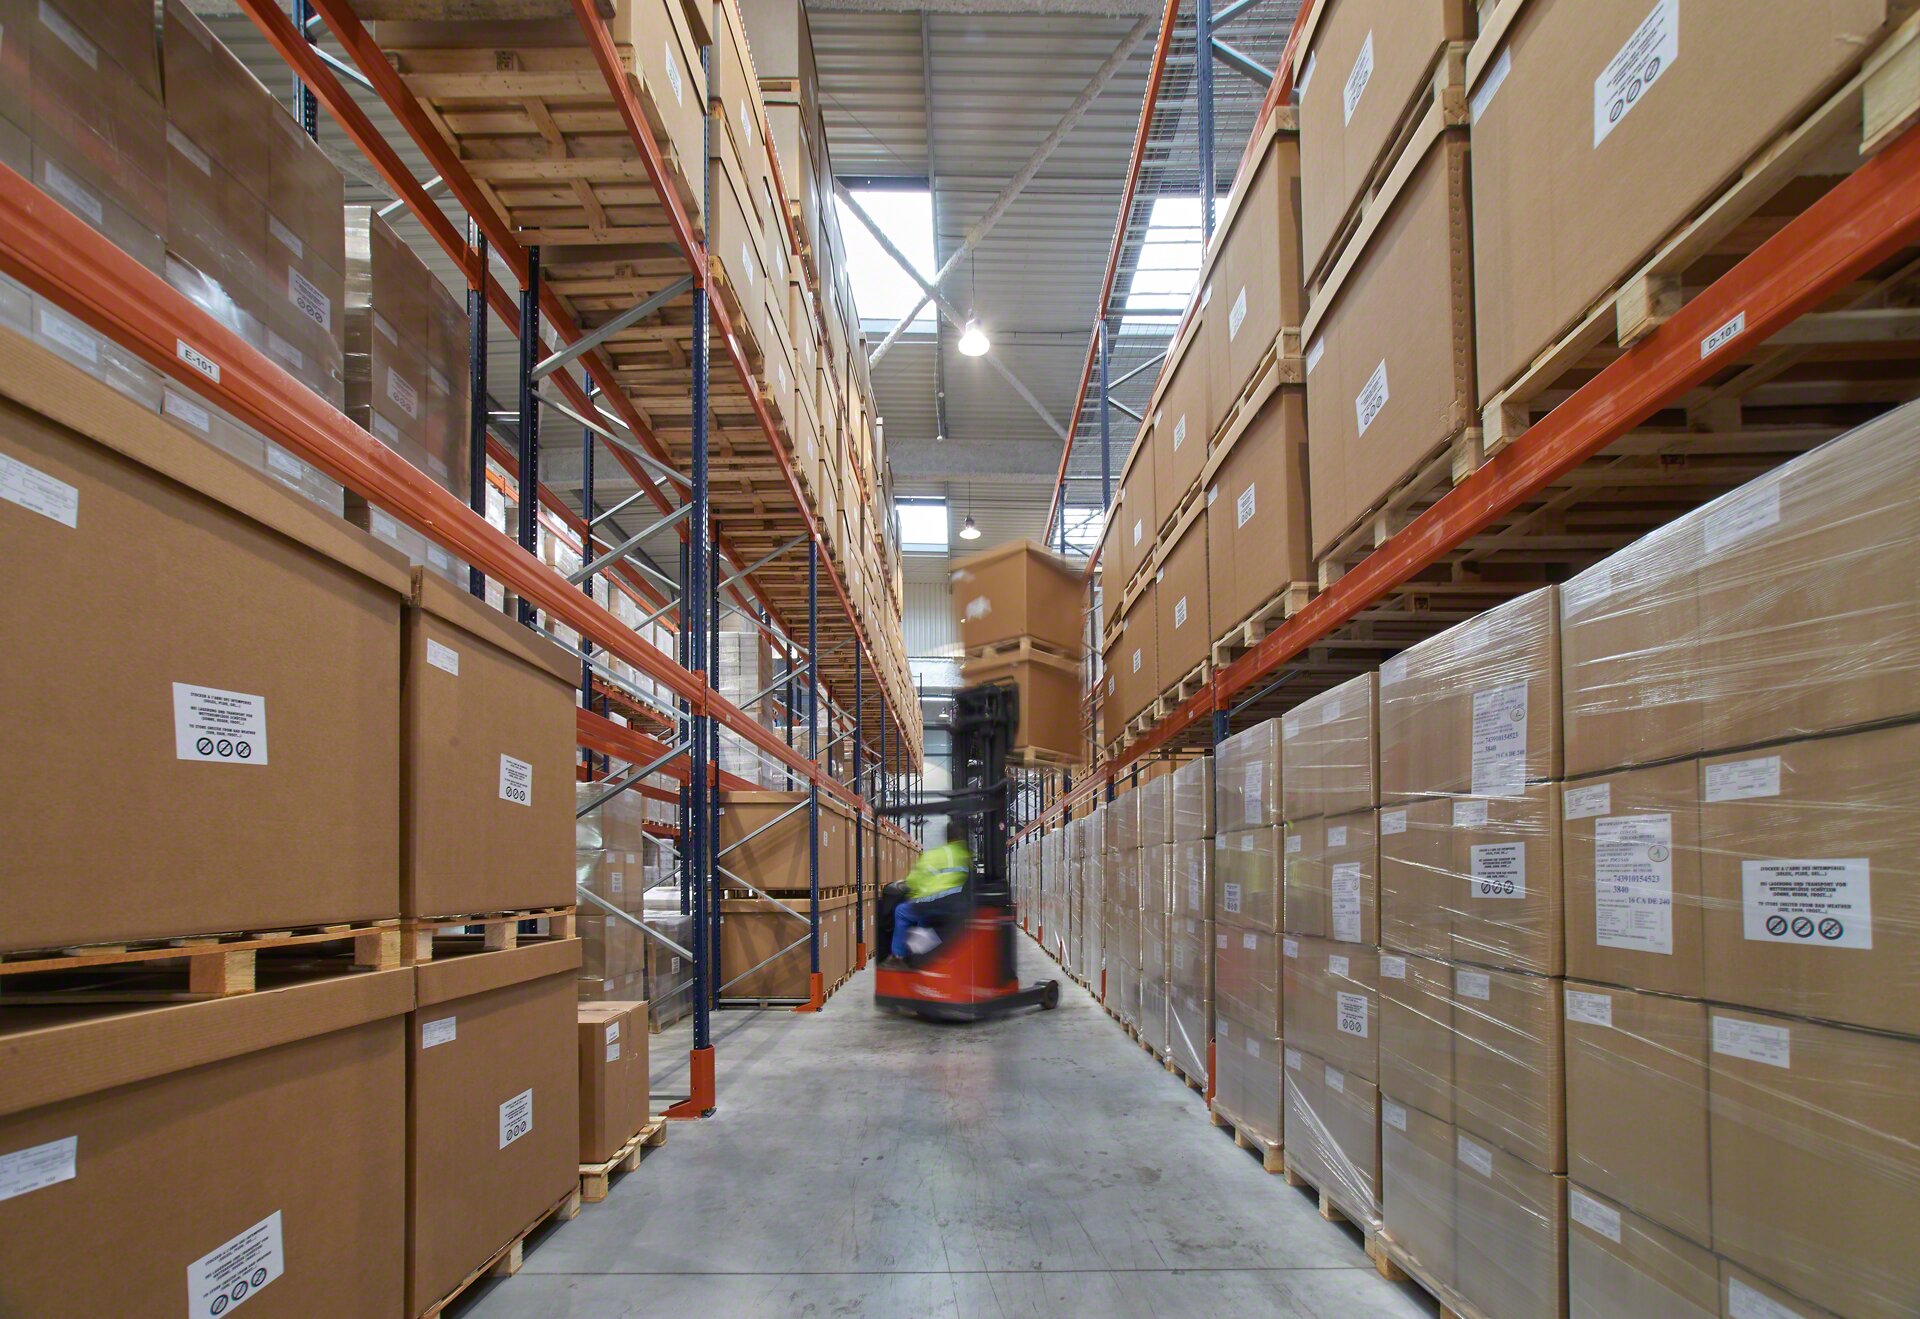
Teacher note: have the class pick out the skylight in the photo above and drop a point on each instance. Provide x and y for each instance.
(923, 522)
(1084, 525)
(881, 290)
(1168, 265)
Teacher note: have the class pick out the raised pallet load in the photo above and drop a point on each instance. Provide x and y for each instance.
(1019, 612)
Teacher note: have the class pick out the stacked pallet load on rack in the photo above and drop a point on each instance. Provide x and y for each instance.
(1247, 1024)
(1190, 984)
(1156, 905)
(1093, 899)
(1019, 612)
(1122, 935)
(767, 860)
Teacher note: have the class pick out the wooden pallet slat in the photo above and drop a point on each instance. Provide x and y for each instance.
(596, 1179)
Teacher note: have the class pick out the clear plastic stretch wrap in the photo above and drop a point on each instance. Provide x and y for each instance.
(1330, 751)
(1247, 779)
(1156, 808)
(1246, 878)
(1093, 932)
(1246, 1027)
(613, 859)
(1782, 610)
(1331, 872)
(1123, 821)
(1190, 973)
(1193, 799)
(1156, 870)
(1123, 936)
(1332, 1133)
(1330, 993)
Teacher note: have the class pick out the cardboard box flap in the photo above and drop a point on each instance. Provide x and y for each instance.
(46, 384)
(445, 979)
(438, 597)
(51, 1055)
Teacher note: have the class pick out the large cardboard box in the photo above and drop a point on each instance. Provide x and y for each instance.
(1018, 590)
(1182, 415)
(1332, 1133)
(1192, 800)
(1247, 1075)
(1510, 1229)
(779, 859)
(753, 934)
(1417, 1187)
(614, 1082)
(488, 756)
(1416, 1032)
(1184, 627)
(1049, 696)
(1417, 886)
(1509, 1065)
(228, 674)
(1390, 344)
(302, 1083)
(1743, 1293)
(1247, 882)
(1247, 779)
(1138, 511)
(1631, 862)
(1372, 64)
(1810, 877)
(1829, 1112)
(1140, 654)
(1246, 978)
(1330, 750)
(1628, 1055)
(1330, 996)
(1505, 908)
(1256, 500)
(1256, 272)
(1619, 1263)
(1575, 101)
(1332, 880)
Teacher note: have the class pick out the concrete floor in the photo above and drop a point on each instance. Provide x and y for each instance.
(863, 1163)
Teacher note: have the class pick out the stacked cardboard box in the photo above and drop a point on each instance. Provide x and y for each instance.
(1246, 914)
(1093, 899)
(1156, 906)
(615, 1088)
(1741, 932)
(1190, 988)
(1018, 610)
(611, 854)
(1122, 934)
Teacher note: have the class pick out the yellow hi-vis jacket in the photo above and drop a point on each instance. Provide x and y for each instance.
(939, 870)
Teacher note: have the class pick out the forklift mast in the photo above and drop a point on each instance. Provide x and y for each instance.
(983, 723)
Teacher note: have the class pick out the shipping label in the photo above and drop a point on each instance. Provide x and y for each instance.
(1742, 514)
(70, 36)
(1290, 948)
(1593, 1009)
(1315, 351)
(1294, 1061)
(1243, 508)
(1743, 1302)
(1500, 741)
(516, 781)
(1473, 984)
(1337, 836)
(1392, 967)
(1237, 314)
(186, 146)
(1371, 398)
(286, 352)
(1476, 1156)
(233, 1274)
(1649, 52)
(445, 1030)
(1337, 965)
(1393, 1115)
(1736, 780)
(1230, 897)
(1468, 814)
(1351, 1014)
(1336, 1081)
(286, 237)
(1180, 612)
(1294, 844)
(613, 1051)
(1499, 870)
(1248, 941)
(59, 328)
(1828, 904)
(1289, 728)
(1753, 1040)
(35, 491)
(1585, 803)
(673, 74)
(39, 1166)
(1357, 79)
(182, 408)
(1633, 883)
(403, 393)
(1604, 1220)
(220, 726)
(1179, 432)
(75, 194)
(516, 1118)
(1346, 902)
(444, 658)
(1393, 822)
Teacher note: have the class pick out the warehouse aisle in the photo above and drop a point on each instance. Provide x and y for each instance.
(868, 1164)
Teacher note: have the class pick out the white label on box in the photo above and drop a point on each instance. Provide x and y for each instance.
(1213, 493)
(1736, 780)
(35, 491)
(1755, 1041)
(1593, 1009)
(1743, 1302)
(1500, 741)
(1290, 947)
(1294, 1061)
(403, 393)
(229, 1276)
(1136, 531)
(1231, 898)
(180, 142)
(1828, 904)
(516, 1118)
(1742, 514)
(613, 1051)
(1393, 671)
(196, 359)
(746, 124)
(286, 237)
(1499, 870)
(70, 334)
(1473, 984)
(1352, 1014)
(308, 300)
(1331, 710)
(1393, 968)
(1469, 814)
(1220, 1029)
(1289, 728)
(1180, 432)
(70, 36)
(385, 431)
(1393, 1115)
(175, 404)
(1253, 1046)
(445, 658)
(1295, 842)
(74, 193)
(443, 1031)
(1372, 397)
(386, 329)
(1336, 1081)
(1723, 336)
(1315, 351)
(1346, 902)
(1490, 81)
(673, 74)
(1584, 803)
(1306, 75)
(1393, 822)
(1243, 508)
(228, 728)
(1476, 1156)
(1338, 965)
(285, 351)
(384, 526)
(1180, 612)
(1248, 940)
(1592, 1215)
(617, 882)
(1585, 591)
(39, 1166)
(1649, 52)
(1358, 78)
(516, 781)
(1136, 661)
(1237, 314)
(1633, 883)
(438, 379)
(285, 464)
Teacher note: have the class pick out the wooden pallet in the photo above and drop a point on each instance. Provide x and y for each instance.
(596, 1179)
(506, 1261)
(214, 965)
(1283, 363)
(1250, 631)
(1020, 648)
(499, 930)
(1199, 1087)
(1445, 466)
(1187, 687)
(1396, 1265)
(1330, 1207)
(1272, 1158)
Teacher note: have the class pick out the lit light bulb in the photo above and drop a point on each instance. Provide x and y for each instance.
(973, 339)
(967, 530)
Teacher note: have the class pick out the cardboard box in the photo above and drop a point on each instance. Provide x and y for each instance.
(1049, 696)
(737, 237)
(1192, 799)
(1183, 415)
(1122, 820)
(1417, 1032)
(779, 859)
(1829, 1112)
(1247, 978)
(1373, 65)
(1333, 1134)
(270, 621)
(1138, 514)
(1510, 1228)
(1257, 530)
(493, 1104)
(1330, 750)
(1619, 1263)
(1417, 886)
(1247, 779)
(1303, 890)
(1247, 884)
(1153, 961)
(1184, 627)
(1506, 900)
(614, 1083)
(1018, 590)
(1563, 114)
(1509, 1064)
(1156, 807)
(303, 1083)
(1744, 1293)
(1256, 270)
(1330, 995)
(1808, 877)
(734, 84)
(1417, 1187)
(1189, 994)
(1389, 345)
(1247, 1085)
(1628, 1055)
(1304, 1084)
(753, 931)
(1332, 881)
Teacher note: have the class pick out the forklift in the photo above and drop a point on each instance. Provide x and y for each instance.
(970, 974)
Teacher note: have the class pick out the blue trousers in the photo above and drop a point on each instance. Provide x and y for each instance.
(905, 917)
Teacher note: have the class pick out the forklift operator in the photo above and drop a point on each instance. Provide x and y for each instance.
(940, 872)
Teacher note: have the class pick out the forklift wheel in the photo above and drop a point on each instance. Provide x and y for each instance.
(1052, 999)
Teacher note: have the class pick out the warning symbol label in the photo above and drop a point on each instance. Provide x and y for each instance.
(232, 1273)
(1827, 903)
(217, 725)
